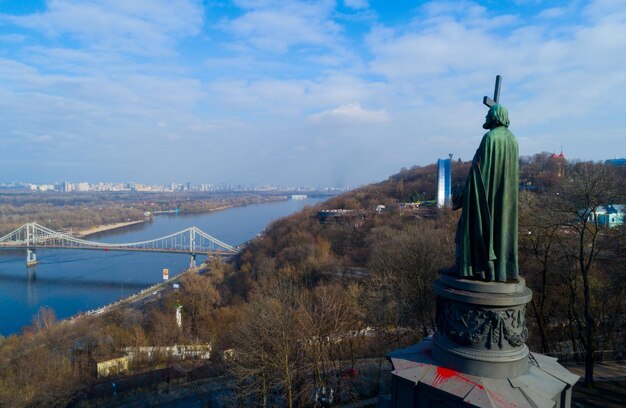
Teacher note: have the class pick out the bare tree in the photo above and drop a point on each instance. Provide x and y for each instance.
(268, 348)
(540, 261)
(331, 321)
(198, 297)
(586, 187)
(44, 319)
(403, 265)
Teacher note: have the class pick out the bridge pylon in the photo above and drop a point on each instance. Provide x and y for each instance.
(192, 261)
(31, 257)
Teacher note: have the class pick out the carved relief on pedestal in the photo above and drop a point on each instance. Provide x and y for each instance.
(501, 328)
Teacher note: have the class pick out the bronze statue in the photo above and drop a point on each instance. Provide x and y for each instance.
(486, 237)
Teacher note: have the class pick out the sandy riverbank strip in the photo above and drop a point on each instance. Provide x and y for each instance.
(106, 227)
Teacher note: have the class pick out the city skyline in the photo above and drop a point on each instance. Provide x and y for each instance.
(84, 186)
(306, 93)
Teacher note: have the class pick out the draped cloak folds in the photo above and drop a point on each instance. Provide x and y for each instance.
(487, 230)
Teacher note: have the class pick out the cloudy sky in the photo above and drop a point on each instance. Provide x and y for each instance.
(298, 92)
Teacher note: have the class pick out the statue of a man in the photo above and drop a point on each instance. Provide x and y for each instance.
(486, 237)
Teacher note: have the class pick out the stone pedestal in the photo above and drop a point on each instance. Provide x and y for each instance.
(481, 327)
(478, 356)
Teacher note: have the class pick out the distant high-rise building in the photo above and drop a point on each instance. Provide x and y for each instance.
(444, 181)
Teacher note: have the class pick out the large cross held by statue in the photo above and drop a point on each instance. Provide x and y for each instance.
(496, 94)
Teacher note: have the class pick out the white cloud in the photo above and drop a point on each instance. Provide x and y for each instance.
(352, 112)
(278, 26)
(356, 4)
(614, 10)
(12, 38)
(289, 101)
(553, 12)
(142, 27)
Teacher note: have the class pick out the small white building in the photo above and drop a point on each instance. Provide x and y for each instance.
(113, 366)
(180, 351)
(609, 216)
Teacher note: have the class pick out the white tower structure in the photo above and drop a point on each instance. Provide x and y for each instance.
(444, 182)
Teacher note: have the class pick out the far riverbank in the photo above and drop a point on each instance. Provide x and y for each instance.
(106, 227)
(118, 225)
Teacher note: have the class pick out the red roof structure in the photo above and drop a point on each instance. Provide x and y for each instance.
(558, 156)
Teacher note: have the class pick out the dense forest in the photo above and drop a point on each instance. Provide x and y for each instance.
(312, 302)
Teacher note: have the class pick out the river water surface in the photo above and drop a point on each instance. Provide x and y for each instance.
(71, 281)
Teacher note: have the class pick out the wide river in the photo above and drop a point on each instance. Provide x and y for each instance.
(71, 281)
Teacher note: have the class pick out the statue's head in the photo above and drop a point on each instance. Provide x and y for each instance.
(497, 116)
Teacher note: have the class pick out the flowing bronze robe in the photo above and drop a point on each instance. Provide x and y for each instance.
(487, 231)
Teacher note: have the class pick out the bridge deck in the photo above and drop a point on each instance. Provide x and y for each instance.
(99, 248)
(188, 241)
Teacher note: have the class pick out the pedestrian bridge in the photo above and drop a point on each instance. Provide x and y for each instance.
(192, 240)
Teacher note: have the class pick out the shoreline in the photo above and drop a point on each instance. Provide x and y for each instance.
(110, 227)
(147, 294)
(224, 207)
(106, 227)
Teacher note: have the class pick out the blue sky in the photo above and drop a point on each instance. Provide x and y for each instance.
(298, 92)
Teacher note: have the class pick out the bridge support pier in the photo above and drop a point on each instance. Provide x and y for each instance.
(192, 261)
(31, 257)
